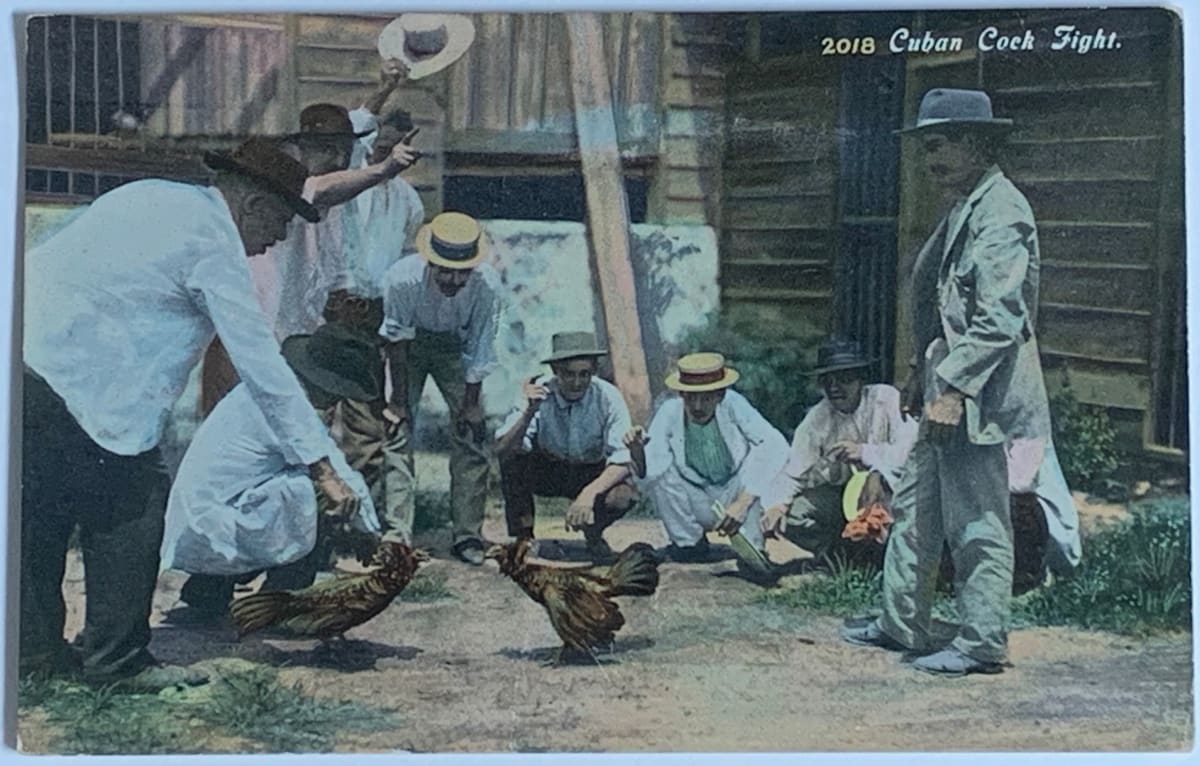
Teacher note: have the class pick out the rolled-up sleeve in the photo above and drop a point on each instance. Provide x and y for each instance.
(222, 286)
(616, 424)
(479, 345)
(803, 455)
(400, 298)
(658, 447)
(1002, 251)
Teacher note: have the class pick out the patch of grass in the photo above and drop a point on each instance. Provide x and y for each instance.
(104, 721)
(845, 590)
(254, 704)
(1135, 577)
(427, 586)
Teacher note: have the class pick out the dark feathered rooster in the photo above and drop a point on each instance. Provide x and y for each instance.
(579, 599)
(330, 608)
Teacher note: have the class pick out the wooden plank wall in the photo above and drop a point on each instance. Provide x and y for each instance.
(780, 168)
(688, 183)
(1091, 151)
(336, 61)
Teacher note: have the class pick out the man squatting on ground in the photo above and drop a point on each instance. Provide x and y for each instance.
(975, 296)
(119, 307)
(240, 504)
(565, 439)
(441, 314)
(707, 459)
(854, 427)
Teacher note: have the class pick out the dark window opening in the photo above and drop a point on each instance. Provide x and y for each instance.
(538, 198)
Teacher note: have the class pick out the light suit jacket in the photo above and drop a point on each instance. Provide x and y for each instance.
(975, 293)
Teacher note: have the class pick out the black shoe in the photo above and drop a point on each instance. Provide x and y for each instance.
(689, 554)
(599, 551)
(207, 594)
(469, 551)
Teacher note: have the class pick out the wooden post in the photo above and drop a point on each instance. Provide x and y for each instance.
(608, 209)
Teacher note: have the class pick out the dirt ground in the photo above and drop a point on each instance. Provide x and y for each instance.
(700, 666)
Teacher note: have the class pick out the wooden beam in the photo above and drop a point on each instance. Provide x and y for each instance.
(119, 162)
(607, 208)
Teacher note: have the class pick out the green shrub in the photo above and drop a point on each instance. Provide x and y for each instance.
(1084, 439)
(774, 368)
(1135, 577)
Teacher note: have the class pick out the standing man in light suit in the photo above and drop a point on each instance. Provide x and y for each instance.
(975, 291)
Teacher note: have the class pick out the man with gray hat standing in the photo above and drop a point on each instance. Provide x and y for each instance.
(855, 428)
(565, 439)
(119, 306)
(975, 292)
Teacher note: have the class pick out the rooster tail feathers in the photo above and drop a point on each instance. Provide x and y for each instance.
(635, 572)
(261, 610)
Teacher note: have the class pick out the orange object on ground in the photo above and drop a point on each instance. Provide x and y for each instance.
(872, 523)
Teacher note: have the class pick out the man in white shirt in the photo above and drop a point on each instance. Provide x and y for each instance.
(119, 306)
(381, 228)
(565, 439)
(239, 504)
(295, 277)
(441, 313)
(706, 461)
(855, 427)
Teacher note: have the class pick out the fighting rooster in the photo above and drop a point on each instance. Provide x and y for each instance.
(579, 599)
(328, 609)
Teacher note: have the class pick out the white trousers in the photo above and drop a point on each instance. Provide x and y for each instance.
(686, 509)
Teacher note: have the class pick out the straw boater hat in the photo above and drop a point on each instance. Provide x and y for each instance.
(336, 360)
(261, 161)
(705, 371)
(426, 42)
(573, 345)
(452, 240)
(952, 107)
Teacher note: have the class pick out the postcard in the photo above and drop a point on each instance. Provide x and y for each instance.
(635, 382)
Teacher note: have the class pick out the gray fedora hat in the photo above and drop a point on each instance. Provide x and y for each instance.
(338, 360)
(572, 345)
(953, 107)
(837, 354)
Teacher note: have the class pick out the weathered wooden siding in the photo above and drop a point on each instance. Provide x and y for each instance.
(780, 172)
(1096, 151)
(687, 186)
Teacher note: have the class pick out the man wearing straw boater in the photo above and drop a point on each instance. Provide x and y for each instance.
(975, 292)
(566, 439)
(705, 462)
(441, 313)
(381, 228)
(119, 306)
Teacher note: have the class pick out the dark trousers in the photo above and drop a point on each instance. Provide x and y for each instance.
(118, 502)
(212, 593)
(525, 474)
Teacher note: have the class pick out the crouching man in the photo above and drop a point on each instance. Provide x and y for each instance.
(566, 440)
(239, 504)
(854, 428)
(706, 460)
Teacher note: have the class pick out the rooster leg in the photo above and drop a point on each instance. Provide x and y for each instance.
(557, 659)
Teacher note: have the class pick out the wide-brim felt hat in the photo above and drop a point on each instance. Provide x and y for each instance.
(325, 122)
(261, 161)
(338, 360)
(573, 345)
(956, 108)
(426, 42)
(837, 355)
(452, 240)
(704, 371)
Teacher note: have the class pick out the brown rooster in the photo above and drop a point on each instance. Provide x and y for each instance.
(579, 599)
(328, 609)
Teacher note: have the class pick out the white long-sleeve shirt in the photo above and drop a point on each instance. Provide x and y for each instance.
(412, 301)
(887, 438)
(122, 302)
(239, 503)
(755, 446)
